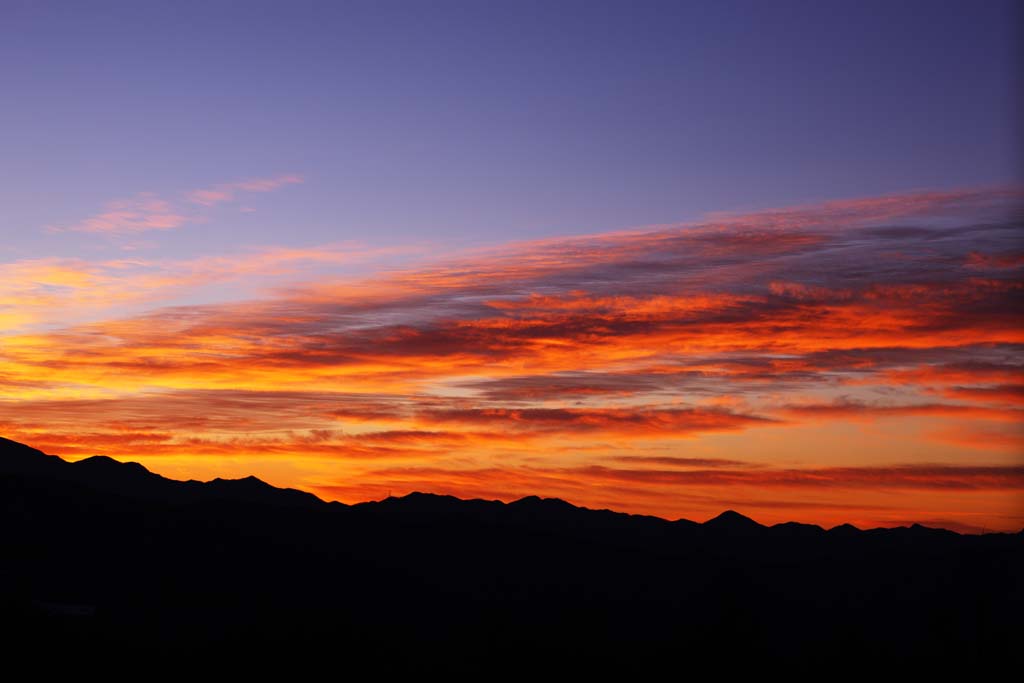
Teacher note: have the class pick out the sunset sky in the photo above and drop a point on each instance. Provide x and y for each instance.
(666, 258)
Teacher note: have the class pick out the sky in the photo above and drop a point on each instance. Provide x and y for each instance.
(667, 258)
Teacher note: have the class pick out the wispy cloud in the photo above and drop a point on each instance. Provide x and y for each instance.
(141, 213)
(648, 422)
(762, 339)
(42, 293)
(856, 409)
(226, 192)
(147, 211)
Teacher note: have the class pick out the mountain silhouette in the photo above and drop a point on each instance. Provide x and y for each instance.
(732, 522)
(104, 562)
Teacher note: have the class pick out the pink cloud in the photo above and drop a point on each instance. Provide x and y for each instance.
(146, 211)
(138, 214)
(42, 293)
(870, 210)
(225, 192)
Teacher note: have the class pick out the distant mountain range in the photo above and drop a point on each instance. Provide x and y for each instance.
(101, 556)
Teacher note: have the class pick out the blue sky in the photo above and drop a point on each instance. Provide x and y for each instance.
(475, 123)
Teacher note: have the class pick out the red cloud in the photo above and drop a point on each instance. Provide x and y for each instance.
(1000, 393)
(652, 422)
(598, 346)
(942, 477)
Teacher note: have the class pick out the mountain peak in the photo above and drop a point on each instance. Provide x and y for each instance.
(732, 520)
(254, 490)
(793, 529)
(104, 462)
(420, 498)
(546, 502)
(251, 481)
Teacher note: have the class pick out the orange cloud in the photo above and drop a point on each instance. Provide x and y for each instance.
(978, 371)
(531, 368)
(870, 411)
(984, 436)
(650, 422)
(922, 476)
(671, 461)
(999, 393)
(42, 292)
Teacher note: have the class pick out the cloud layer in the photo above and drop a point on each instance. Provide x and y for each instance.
(856, 360)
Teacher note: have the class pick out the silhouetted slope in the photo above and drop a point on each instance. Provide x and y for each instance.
(130, 479)
(101, 557)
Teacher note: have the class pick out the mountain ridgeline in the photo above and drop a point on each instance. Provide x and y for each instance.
(104, 561)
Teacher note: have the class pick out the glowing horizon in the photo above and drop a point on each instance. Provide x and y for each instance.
(855, 361)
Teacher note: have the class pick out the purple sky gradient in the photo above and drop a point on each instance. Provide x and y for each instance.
(449, 125)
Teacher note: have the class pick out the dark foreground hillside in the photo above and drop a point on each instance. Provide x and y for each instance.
(105, 563)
